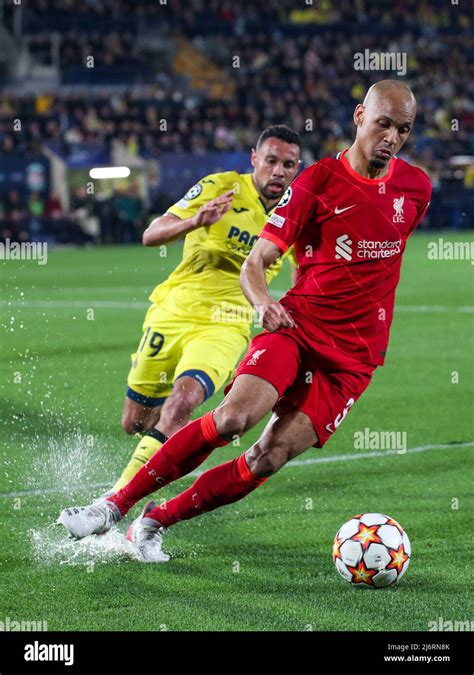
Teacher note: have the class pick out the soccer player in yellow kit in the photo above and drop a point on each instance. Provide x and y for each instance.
(199, 320)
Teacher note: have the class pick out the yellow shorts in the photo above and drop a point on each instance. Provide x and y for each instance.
(172, 347)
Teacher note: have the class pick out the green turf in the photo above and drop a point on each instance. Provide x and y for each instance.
(263, 563)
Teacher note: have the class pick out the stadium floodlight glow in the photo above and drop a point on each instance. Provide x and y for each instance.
(110, 172)
(461, 160)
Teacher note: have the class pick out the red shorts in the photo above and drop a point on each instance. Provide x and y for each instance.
(323, 383)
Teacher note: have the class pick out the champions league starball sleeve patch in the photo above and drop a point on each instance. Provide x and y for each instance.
(193, 192)
(285, 199)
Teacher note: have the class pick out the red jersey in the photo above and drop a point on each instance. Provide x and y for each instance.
(349, 234)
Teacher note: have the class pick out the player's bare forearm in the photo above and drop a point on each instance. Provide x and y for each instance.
(254, 283)
(254, 286)
(167, 228)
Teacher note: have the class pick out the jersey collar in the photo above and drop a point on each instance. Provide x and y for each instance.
(362, 179)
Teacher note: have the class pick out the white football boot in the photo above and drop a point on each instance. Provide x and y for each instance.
(146, 536)
(97, 518)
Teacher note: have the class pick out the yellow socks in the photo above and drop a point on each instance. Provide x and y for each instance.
(146, 448)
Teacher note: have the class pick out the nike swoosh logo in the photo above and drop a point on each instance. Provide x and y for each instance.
(337, 211)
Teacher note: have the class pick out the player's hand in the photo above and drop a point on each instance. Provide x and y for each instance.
(273, 316)
(213, 211)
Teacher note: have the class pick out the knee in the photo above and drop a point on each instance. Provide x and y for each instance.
(264, 459)
(132, 425)
(179, 406)
(231, 420)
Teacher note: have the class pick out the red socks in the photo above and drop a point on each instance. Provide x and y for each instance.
(221, 485)
(183, 452)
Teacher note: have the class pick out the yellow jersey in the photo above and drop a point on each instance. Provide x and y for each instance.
(205, 286)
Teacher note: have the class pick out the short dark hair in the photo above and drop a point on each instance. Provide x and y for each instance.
(280, 131)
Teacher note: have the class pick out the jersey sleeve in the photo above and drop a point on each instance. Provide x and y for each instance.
(199, 194)
(293, 211)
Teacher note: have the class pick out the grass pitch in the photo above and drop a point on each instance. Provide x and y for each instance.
(263, 563)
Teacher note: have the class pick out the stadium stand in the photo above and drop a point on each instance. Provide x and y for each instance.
(191, 84)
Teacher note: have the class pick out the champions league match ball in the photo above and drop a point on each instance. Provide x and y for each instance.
(371, 549)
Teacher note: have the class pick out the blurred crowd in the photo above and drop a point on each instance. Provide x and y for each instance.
(288, 61)
(305, 79)
(114, 48)
(22, 217)
(302, 81)
(194, 13)
(118, 217)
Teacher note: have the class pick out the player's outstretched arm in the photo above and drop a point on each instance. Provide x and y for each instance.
(168, 228)
(254, 285)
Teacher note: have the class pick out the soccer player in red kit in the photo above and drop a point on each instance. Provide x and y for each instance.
(349, 217)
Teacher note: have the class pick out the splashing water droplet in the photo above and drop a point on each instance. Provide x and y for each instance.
(51, 546)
